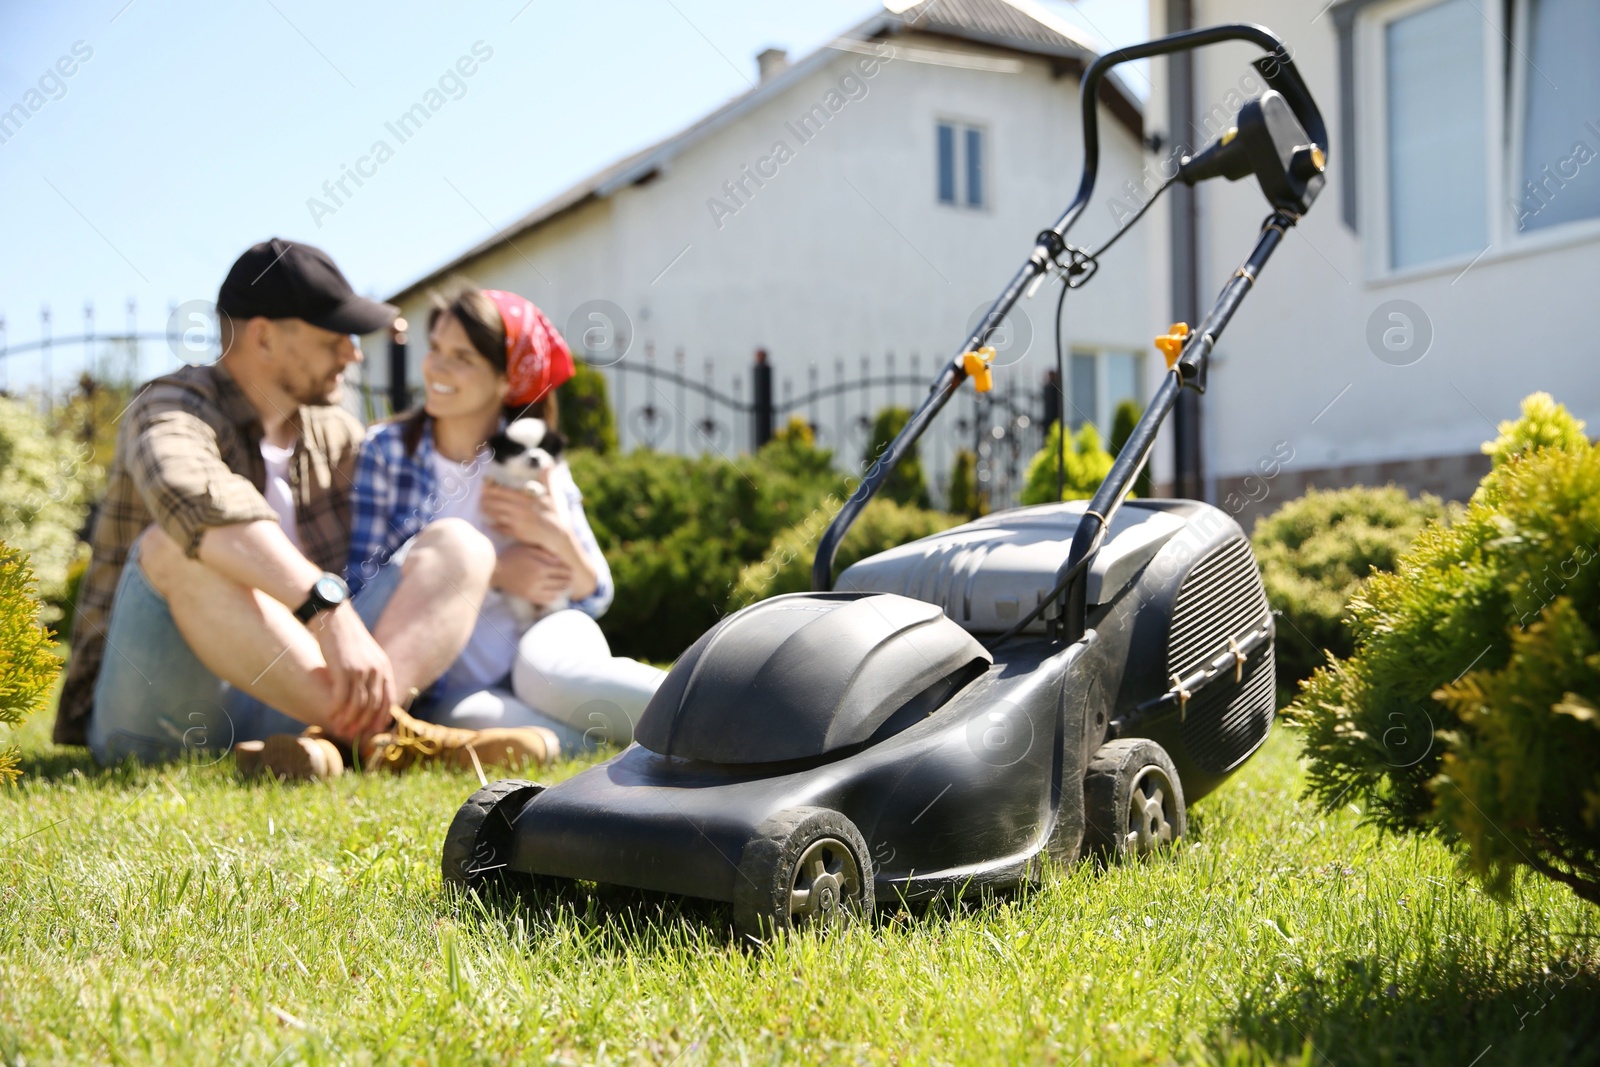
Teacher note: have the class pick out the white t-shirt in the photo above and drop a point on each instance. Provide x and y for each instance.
(280, 497)
(492, 650)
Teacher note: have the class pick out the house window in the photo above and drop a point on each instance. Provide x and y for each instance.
(1555, 93)
(961, 165)
(1434, 77)
(1465, 109)
(1097, 383)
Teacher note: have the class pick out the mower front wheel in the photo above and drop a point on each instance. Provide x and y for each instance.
(1133, 801)
(477, 848)
(804, 868)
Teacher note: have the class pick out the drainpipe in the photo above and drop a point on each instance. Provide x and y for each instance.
(1188, 462)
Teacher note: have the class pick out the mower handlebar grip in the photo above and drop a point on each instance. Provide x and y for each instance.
(1278, 70)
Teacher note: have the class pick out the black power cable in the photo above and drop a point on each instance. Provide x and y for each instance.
(1078, 270)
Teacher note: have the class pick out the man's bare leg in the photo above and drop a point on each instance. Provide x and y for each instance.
(242, 635)
(254, 643)
(430, 617)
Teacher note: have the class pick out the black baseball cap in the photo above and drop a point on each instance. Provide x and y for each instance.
(280, 279)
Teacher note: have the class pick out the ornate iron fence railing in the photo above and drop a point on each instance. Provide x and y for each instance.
(715, 409)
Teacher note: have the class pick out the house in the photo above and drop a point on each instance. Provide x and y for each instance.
(1448, 269)
(858, 208)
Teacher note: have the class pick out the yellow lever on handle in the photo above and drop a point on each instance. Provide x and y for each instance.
(1171, 343)
(976, 366)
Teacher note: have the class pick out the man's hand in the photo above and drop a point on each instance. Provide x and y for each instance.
(363, 679)
(533, 573)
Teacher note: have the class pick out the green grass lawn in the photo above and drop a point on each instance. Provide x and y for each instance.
(180, 915)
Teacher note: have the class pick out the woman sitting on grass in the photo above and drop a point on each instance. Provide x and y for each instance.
(494, 357)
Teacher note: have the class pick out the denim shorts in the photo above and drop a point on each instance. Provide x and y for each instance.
(155, 700)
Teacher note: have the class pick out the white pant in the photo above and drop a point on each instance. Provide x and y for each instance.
(567, 680)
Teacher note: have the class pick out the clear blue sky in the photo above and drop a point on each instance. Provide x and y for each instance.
(194, 129)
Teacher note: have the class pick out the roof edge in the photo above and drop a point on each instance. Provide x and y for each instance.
(641, 165)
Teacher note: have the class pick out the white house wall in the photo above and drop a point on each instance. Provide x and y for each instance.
(845, 252)
(1295, 370)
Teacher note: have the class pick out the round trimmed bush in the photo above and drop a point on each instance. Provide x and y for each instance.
(1315, 552)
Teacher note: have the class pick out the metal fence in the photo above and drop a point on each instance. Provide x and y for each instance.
(680, 404)
(730, 411)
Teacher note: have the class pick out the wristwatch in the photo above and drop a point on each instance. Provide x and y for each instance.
(327, 592)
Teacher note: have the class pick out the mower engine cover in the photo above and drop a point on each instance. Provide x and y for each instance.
(986, 574)
(806, 675)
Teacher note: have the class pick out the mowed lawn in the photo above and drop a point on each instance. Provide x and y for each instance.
(180, 915)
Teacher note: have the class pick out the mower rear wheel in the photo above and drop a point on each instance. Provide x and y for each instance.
(1133, 800)
(804, 868)
(478, 846)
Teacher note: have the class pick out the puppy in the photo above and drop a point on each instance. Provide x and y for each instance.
(519, 453)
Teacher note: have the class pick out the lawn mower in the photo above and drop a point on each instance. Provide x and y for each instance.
(1040, 683)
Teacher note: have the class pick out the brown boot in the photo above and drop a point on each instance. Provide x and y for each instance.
(412, 741)
(300, 758)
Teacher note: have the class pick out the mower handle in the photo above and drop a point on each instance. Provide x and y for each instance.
(1277, 69)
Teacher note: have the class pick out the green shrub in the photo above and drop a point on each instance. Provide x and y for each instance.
(46, 482)
(1521, 782)
(677, 530)
(786, 568)
(1544, 424)
(27, 665)
(1087, 465)
(1316, 550)
(1468, 705)
(585, 409)
(91, 414)
(1122, 424)
(962, 496)
(906, 484)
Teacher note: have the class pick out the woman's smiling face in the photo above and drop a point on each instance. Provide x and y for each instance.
(458, 380)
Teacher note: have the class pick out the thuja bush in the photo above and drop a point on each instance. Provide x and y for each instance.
(27, 665)
(786, 568)
(962, 495)
(906, 483)
(1315, 552)
(1469, 705)
(1087, 463)
(1123, 422)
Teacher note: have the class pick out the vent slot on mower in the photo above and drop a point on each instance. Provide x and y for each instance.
(1221, 598)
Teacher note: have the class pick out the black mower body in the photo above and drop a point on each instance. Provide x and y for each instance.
(1039, 682)
(960, 768)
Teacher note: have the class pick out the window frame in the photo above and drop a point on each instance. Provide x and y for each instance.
(1372, 105)
(961, 130)
(1520, 70)
(1103, 412)
(1505, 99)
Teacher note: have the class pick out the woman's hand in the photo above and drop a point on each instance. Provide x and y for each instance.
(541, 521)
(524, 517)
(533, 573)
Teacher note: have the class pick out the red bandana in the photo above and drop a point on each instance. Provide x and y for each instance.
(537, 359)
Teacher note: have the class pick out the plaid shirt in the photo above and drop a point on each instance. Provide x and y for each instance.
(188, 458)
(395, 495)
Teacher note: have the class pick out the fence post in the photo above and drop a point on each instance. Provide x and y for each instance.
(49, 361)
(399, 388)
(761, 412)
(133, 341)
(1052, 401)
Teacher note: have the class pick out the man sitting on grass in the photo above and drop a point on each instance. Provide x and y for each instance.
(212, 612)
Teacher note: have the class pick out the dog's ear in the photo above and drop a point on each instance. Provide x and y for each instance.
(528, 432)
(502, 447)
(554, 443)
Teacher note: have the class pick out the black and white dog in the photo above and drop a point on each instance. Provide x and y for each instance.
(518, 454)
